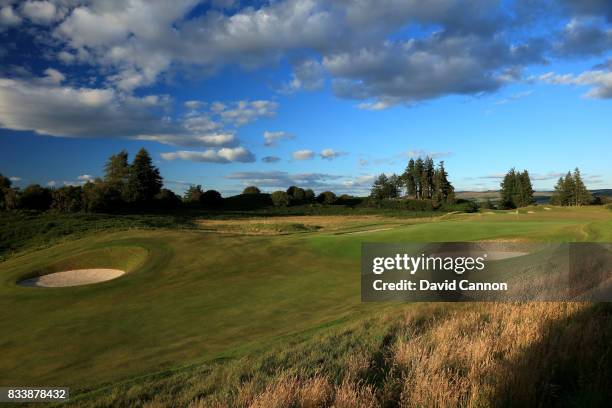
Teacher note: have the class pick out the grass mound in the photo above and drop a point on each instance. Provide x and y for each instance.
(124, 258)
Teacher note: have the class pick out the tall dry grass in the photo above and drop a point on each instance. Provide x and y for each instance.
(491, 354)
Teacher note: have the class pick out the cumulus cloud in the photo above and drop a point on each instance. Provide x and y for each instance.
(8, 17)
(85, 177)
(270, 159)
(307, 75)
(272, 138)
(41, 12)
(15, 179)
(224, 155)
(303, 154)
(331, 154)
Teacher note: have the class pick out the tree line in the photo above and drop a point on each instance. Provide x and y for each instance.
(125, 186)
(421, 180)
(571, 191)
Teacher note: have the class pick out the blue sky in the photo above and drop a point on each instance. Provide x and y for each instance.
(226, 94)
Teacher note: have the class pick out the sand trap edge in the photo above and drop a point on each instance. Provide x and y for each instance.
(76, 277)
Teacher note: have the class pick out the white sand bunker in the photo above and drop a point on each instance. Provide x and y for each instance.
(72, 278)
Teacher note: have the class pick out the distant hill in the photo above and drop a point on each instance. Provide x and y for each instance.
(540, 196)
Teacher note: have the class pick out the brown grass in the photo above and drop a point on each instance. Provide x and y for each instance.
(475, 355)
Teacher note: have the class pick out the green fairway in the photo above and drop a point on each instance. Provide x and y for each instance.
(193, 296)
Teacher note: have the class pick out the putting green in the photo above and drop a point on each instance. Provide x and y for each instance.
(192, 296)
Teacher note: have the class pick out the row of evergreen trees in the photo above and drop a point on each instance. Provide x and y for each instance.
(571, 191)
(421, 180)
(516, 189)
(136, 185)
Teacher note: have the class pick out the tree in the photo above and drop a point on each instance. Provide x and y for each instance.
(570, 190)
(35, 197)
(378, 188)
(296, 195)
(280, 199)
(67, 199)
(419, 168)
(582, 195)
(5, 182)
(509, 189)
(167, 200)
(559, 197)
(327, 197)
(309, 196)
(408, 179)
(251, 190)
(193, 194)
(428, 178)
(98, 196)
(525, 190)
(117, 170)
(443, 190)
(516, 189)
(211, 199)
(5, 188)
(144, 181)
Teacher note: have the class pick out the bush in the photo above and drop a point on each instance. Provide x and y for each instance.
(280, 199)
(167, 200)
(193, 194)
(327, 197)
(246, 202)
(67, 199)
(408, 204)
(211, 199)
(251, 190)
(461, 205)
(35, 197)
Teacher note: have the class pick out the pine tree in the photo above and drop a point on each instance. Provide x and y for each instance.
(583, 196)
(508, 189)
(144, 180)
(569, 189)
(525, 190)
(117, 171)
(448, 191)
(408, 179)
(428, 177)
(558, 197)
(419, 169)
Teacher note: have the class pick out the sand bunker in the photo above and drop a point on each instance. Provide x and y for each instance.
(72, 278)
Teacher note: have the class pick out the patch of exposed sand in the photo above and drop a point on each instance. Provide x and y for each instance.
(75, 277)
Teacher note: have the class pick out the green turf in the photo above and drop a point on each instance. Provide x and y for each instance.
(197, 296)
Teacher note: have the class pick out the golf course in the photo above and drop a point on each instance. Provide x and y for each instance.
(196, 304)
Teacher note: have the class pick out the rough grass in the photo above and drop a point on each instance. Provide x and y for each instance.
(471, 355)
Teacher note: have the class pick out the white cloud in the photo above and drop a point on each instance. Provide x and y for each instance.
(242, 112)
(8, 17)
(53, 76)
(51, 183)
(307, 75)
(363, 162)
(193, 105)
(303, 155)
(41, 12)
(271, 138)
(513, 97)
(600, 82)
(330, 154)
(85, 177)
(416, 153)
(48, 108)
(15, 179)
(224, 155)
